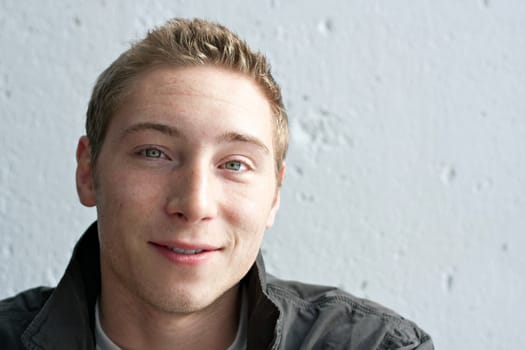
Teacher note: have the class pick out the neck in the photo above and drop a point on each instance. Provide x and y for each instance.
(132, 323)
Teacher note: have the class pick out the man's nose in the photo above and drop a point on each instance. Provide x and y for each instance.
(192, 197)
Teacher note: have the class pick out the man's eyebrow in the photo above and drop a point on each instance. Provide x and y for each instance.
(163, 128)
(171, 131)
(233, 136)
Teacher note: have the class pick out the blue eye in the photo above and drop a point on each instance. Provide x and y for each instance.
(152, 153)
(233, 165)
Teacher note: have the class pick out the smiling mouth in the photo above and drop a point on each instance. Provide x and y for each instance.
(188, 254)
(184, 248)
(184, 251)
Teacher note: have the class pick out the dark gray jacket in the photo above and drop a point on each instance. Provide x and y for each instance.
(282, 315)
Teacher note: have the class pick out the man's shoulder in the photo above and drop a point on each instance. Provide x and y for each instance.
(24, 305)
(313, 296)
(328, 315)
(17, 312)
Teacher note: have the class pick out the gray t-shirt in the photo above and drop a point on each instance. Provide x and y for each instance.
(240, 342)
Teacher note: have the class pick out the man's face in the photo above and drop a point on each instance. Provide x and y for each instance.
(185, 186)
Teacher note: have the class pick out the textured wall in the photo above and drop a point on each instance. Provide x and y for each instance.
(406, 179)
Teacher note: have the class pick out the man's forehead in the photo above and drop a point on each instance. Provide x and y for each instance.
(208, 81)
(184, 91)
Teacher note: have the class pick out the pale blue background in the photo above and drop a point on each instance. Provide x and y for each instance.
(407, 164)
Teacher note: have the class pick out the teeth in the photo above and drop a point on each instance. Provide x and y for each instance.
(184, 251)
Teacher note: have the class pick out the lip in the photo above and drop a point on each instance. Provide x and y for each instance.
(186, 245)
(185, 259)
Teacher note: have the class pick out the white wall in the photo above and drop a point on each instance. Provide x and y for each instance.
(406, 179)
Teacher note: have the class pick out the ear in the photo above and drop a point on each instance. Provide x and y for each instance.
(277, 199)
(84, 173)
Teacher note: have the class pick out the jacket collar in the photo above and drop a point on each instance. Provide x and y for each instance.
(67, 319)
(263, 313)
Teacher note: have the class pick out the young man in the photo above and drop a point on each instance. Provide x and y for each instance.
(184, 159)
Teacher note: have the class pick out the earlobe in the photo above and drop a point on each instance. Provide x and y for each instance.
(277, 199)
(84, 173)
(282, 172)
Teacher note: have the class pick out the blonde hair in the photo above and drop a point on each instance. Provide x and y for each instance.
(183, 42)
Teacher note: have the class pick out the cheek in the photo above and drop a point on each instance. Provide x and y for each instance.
(248, 211)
(127, 195)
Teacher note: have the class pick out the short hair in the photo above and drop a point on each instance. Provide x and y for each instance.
(182, 43)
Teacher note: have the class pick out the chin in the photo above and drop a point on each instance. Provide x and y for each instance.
(182, 301)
